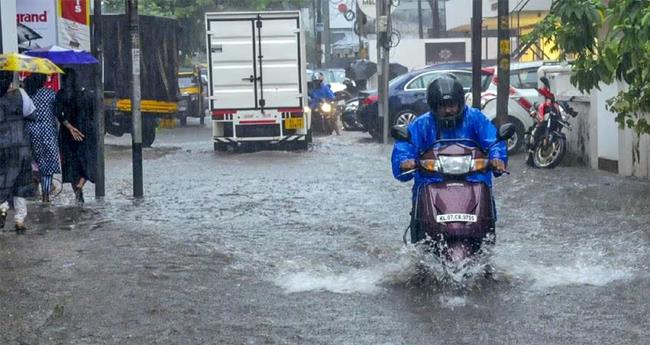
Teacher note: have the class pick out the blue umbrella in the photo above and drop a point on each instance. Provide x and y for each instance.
(63, 56)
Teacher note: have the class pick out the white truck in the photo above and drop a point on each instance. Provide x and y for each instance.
(257, 79)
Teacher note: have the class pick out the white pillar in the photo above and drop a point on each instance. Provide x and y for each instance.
(8, 23)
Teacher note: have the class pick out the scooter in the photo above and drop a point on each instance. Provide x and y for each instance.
(453, 218)
(324, 117)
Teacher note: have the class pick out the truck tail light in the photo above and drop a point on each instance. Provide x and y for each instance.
(221, 114)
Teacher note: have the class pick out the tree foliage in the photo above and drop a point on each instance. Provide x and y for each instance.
(607, 41)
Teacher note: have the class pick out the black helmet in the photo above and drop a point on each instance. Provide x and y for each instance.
(446, 90)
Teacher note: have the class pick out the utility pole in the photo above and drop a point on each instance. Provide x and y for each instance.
(326, 28)
(477, 19)
(136, 133)
(503, 62)
(100, 185)
(319, 33)
(420, 30)
(383, 24)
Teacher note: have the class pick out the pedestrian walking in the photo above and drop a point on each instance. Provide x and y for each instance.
(15, 151)
(74, 107)
(43, 131)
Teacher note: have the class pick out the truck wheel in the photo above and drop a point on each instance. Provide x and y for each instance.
(148, 131)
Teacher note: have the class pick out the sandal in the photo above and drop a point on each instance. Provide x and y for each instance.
(3, 217)
(20, 228)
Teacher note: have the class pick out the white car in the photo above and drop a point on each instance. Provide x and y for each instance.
(523, 95)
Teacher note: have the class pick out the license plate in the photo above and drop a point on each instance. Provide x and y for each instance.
(294, 123)
(456, 217)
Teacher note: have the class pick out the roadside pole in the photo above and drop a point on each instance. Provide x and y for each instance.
(477, 19)
(382, 65)
(136, 133)
(503, 63)
(319, 33)
(326, 30)
(100, 185)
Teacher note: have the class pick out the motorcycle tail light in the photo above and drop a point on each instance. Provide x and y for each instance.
(370, 100)
(480, 164)
(430, 165)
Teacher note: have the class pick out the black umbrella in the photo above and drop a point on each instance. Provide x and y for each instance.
(362, 69)
(396, 69)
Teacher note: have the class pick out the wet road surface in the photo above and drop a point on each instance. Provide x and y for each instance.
(306, 248)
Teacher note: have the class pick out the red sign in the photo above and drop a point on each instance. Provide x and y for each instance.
(75, 10)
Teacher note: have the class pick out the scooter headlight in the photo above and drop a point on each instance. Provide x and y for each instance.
(326, 107)
(455, 165)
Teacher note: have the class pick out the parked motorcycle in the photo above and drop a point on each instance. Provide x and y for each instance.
(546, 142)
(453, 218)
(349, 115)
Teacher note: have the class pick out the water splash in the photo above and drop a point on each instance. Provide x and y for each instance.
(411, 267)
(577, 273)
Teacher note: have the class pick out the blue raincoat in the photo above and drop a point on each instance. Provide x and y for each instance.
(475, 126)
(316, 95)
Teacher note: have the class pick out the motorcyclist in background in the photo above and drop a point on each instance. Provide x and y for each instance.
(320, 91)
(449, 118)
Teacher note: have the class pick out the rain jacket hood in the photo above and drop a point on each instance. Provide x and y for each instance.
(424, 133)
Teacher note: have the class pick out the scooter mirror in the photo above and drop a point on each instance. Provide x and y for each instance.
(506, 131)
(545, 81)
(400, 132)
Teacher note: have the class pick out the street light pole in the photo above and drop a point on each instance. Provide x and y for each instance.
(477, 19)
(136, 133)
(327, 42)
(100, 185)
(503, 62)
(383, 24)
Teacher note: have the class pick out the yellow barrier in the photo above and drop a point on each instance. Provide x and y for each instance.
(148, 106)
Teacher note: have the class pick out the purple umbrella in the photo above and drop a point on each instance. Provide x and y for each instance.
(63, 56)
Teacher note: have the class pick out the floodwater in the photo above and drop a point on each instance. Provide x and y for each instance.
(306, 248)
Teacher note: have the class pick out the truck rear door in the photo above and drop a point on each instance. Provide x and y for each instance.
(255, 62)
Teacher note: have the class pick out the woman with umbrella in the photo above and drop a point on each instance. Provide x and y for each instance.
(15, 107)
(43, 132)
(74, 107)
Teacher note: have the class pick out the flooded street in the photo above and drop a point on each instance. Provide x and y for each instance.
(306, 248)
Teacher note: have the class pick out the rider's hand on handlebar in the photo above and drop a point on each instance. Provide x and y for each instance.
(498, 166)
(408, 164)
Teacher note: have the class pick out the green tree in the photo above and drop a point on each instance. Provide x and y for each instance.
(607, 41)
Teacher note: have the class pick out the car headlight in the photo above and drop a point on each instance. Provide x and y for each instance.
(325, 107)
(455, 165)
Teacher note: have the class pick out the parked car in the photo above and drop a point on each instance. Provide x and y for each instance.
(523, 95)
(192, 102)
(408, 96)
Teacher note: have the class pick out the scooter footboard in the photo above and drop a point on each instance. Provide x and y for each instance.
(455, 209)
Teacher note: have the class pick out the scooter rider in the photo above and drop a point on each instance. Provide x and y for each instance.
(320, 91)
(449, 118)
